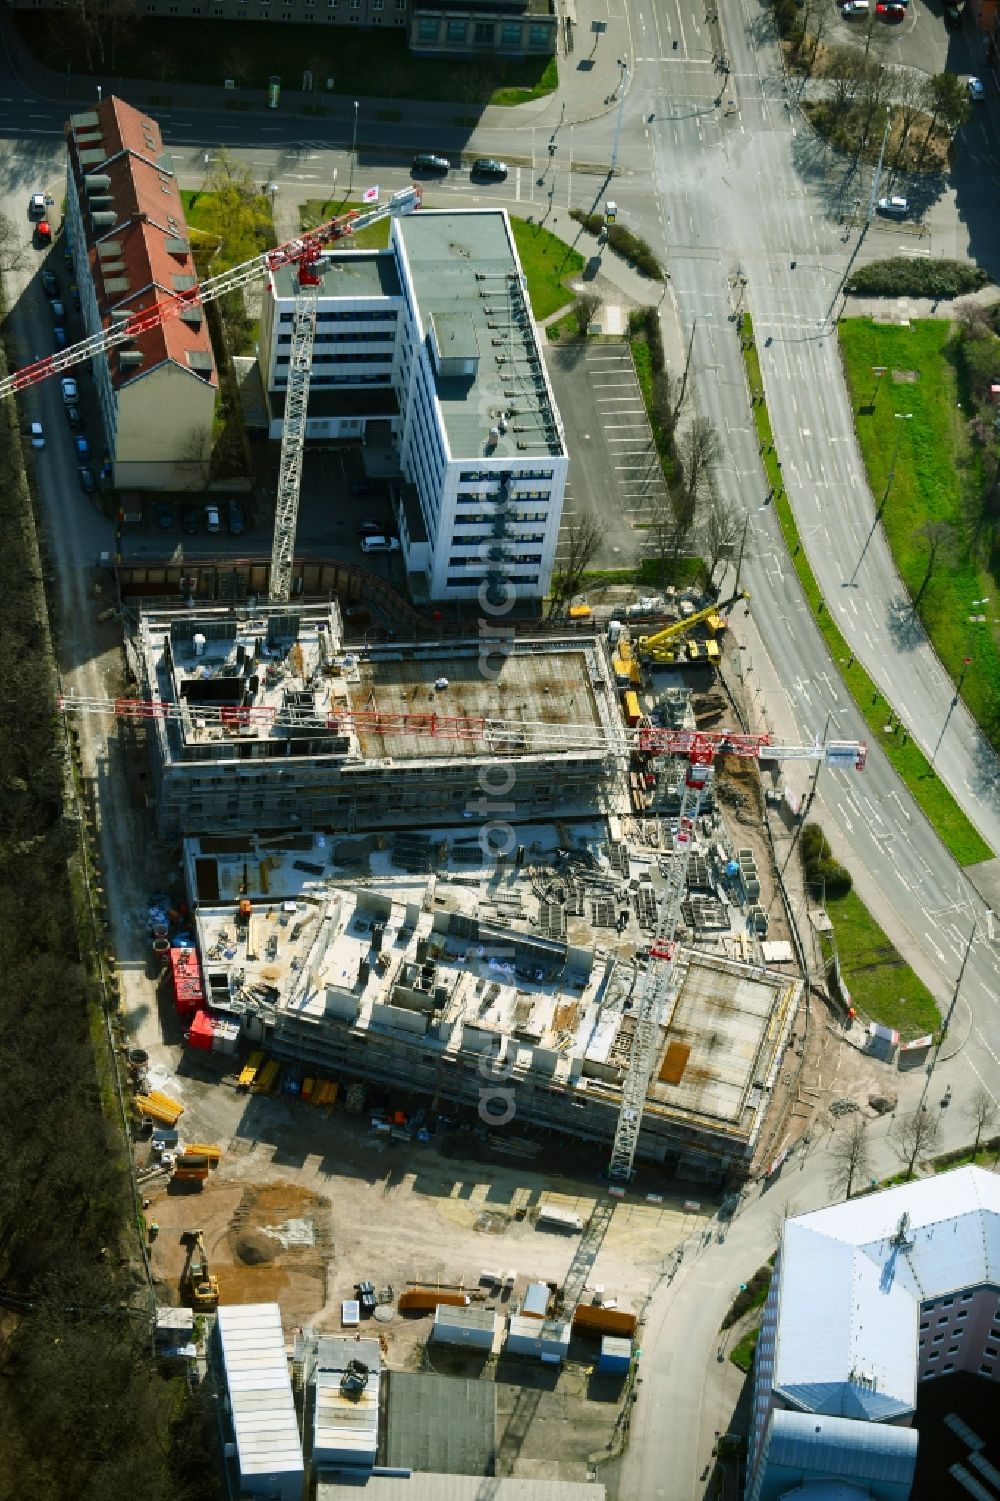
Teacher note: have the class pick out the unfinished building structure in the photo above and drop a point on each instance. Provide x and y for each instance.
(262, 720)
(523, 1027)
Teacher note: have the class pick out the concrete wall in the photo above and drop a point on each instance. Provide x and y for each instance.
(164, 422)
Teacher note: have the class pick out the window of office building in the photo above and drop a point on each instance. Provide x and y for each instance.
(427, 29)
(456, 31)
(484, 33)
(510, 34)
(538, 36)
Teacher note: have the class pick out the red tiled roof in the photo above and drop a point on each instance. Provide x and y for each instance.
(142, 257)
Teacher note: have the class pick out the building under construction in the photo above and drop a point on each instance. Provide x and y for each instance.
(262, 719)
(444, 985)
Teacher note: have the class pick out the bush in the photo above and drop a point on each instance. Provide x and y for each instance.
(754, 1295)
(643, 322)
(900, 277)
(820, 866)
(623, 242)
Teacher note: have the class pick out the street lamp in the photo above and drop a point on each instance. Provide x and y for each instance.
(354, 138)
(900, 417)
(623, 86)
(966, 664)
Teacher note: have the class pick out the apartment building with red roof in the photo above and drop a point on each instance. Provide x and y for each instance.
(128, 238)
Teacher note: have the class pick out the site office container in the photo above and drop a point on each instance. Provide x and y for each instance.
(201, 1032)
(590, 1319)
(185, 972)
(425, 1300)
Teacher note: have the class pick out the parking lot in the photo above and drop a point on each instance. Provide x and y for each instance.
(615, 475)
(918, 40)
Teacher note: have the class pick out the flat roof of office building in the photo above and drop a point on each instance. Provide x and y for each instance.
(464, 266)
(440, 1423)
(427, 1486)
(347, 273)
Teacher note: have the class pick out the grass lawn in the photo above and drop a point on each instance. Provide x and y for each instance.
(642, 358)
(934, 469)
(314, 212)
(952, 826)
(882, 984)
(742, 1352)
(688, 573)
(186, 49)
(547, 262)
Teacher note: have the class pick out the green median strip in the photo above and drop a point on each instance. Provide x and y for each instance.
(952, 826)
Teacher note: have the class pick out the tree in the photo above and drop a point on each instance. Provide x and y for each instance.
(584, 310)
(981, 1112)
(195, 454)
(699, 448)
(579, 542)
(849, 1157)
(946, 99)
(917, 1134)
(940, 539)
(13, 255)
(237, 64)
(720, 529)
(909, 90)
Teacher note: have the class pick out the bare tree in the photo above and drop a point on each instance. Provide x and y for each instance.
(195, 455)
(909, 92)
(237, 64)
(720, 529)
(849, 1157)
(946, 100)
(982, 1112)
(579, 542)
(940, 538)
(13, 254)
(917, 1134)
(699, 449)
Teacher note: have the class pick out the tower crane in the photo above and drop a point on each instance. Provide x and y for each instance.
(656, 987)
(303, 253)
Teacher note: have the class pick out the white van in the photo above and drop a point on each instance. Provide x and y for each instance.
(379, 544)
(856, 10)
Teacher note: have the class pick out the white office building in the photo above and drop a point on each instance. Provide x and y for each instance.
(429, 349)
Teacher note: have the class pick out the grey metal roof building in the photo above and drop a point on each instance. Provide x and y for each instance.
(260, 1404)
(872, 1459)
(442, 1424)
(868, 1299)
(431, 1487)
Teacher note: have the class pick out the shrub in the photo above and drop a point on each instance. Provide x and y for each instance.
(820, 866)
(623, 242)
(754, 1295)
(900, 277)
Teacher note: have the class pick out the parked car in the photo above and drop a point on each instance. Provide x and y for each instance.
(59, 336)
(235, 519)
(426, 161)
(69, 390)
(58, 311)
(976, 88)
(368, 487)
(189, 519)
(380, 544)
(213, 520)
(489, 166)
(894, 208)
(73, 416)
(892, 12)
(952, 18)
(82, 446)
(36, 206)
(86, 479)
(372, 529)
(43, 233)
(855, 10)
(366, 1297)
(164, 513)
(37, 435)
(50, 283)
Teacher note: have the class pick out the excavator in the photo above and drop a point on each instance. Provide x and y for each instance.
(671, 646)
(199, 1286)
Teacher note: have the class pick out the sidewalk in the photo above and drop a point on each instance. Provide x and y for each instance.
(588, 79)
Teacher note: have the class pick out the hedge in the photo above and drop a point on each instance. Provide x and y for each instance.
(919, 277)
(630, 247)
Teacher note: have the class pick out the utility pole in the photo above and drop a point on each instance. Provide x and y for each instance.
(869, 214)
(623, 85)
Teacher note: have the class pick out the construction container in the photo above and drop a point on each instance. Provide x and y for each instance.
(210, 1152)
(536, 1300)
(552, 1217)
(426, 1299)
(267, 1078)
(474, 1328)
(630, 707)
(615, 1356)
(250, 1069)
(200, 1033)
(325, 1092)
(225, 1035)
(592, 1320)
(185, 974)
(308, 1085)
(540, 1339)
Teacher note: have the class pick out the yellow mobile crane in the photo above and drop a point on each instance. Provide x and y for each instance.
(671, 645)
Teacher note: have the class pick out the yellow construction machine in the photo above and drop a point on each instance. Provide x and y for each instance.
(671, 646)
(199, 1286)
